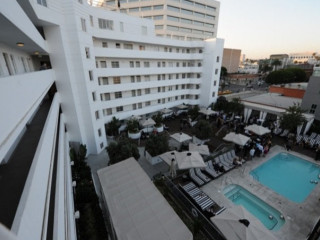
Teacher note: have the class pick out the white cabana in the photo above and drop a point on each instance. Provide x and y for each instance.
(181, 137)
(137, 209)
(259, 130)
(238, 224)
(238, 139)
(186, 160)
(166, 111)
(202, 149)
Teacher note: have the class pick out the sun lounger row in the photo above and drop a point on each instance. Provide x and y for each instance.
(199, 197)
(195, 178)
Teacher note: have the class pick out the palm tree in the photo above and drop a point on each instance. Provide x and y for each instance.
(113, 126)
(276, 63)
(292, 118)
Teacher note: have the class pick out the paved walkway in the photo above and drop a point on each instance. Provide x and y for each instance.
(13, 175)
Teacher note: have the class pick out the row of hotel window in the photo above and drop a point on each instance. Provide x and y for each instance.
(155, 48)
(134, 106)
(191, 3)
(138, 92)
(184, 30)
(170, 8)
(182, 20)
(137, 64)
(147, 78)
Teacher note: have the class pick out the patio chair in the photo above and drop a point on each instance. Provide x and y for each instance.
(227, 158)
(201, 175)
(225, 164)
(206, 204)
(200, 198)
(312, 142)
(188, 187)
(195, 178)
(210, 171)
(233, 153)
(285, 133)
(299, 138)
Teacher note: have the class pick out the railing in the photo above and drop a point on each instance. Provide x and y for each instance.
(207, 227)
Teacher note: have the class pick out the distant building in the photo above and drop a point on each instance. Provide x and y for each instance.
(231, 59)
(242, 79)
(249, 68)
(296, 90)
(304, 57)
(311, 99)
(281, 57)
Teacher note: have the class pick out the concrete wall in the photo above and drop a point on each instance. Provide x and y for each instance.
(231, 59)
(288, 92)
(312, 96)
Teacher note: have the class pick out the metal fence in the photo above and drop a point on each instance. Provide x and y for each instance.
(206, 225)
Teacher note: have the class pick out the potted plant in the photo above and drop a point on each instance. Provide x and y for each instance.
(133, 129)
(156, 145)
(158, 119)
(113, 127)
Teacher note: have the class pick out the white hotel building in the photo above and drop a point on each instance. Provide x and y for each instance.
(103, 64)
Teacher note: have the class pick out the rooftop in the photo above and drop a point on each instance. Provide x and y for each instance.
(302, 85)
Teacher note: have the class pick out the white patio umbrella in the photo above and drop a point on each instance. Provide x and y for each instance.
(238, 139)
(259, 130)
(187, 160)
(238, 224)
(148, 122)
(202, 149)
(229, 137)
(182, 106)
(181, 137)
(167, 157)
(207, 112)
(166, 111)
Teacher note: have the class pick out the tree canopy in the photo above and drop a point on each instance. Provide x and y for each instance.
(223, 72)
(119, 151)
(289, 75)
(113, 126)
(292, 118)
(234, 106)
(157, 144)
(203, 130)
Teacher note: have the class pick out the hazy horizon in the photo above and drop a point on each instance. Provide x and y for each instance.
(261, 28)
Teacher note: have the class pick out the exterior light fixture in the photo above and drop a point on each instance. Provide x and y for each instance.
(20, 44)
(36, 53)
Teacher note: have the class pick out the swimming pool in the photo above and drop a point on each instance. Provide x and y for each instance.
(268, 216)
(288, 175)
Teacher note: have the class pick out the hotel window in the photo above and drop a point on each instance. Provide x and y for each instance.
(182, 96)
(133, 9)
(119, 109)
(127, 46)
(83, 25)
(103, 64)
(218, 59)
(148, 103)
(109, 111)
(216, 71)
(138, 78)
(170, 88)
(90, 75)
(177, 64)
(104, 44)
(87, 50)
(146, 64)
(177, 87)
(163, 100)
(214, 83)
(210, 17)
(159, 101)
(131, 64)
(157, 7)
(313, 108)
(115, 64)
(105, 97)
(101, 145)
(183, 86)
(134, 106)
(132, 79)
(94, 96)
(174, 9)
(91, 21)
(163, 64)
(133, 93)
(171, 18)
(198, 14)
(159, 77)
(159, 64)
(163, 89)
(121, 27)
(184, 64)
(139, 105)
(198, 75)
(147, 91)
(142, 48)
(118, 94)
(103, 81)
(163, 76)
(183, 75)
(158, 17)
(137, 64)
(158, 26)
(105, 24)
(147, 78)
(116, 80)
(97, 114)
(177, 76)
(139, 92)
(148, 8)
(118, 45)
(99, 132)
(159, 89)
(185, 11)
(213, 94)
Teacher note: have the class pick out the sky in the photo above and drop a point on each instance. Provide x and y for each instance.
(263, 27)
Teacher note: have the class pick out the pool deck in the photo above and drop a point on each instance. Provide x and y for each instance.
(300, 217)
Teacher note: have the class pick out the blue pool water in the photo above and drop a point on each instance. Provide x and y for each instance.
(288, 175)
(258, 208)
